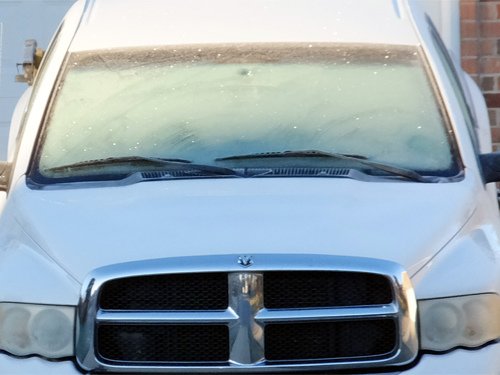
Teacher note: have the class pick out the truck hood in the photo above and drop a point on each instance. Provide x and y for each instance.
(85, 228)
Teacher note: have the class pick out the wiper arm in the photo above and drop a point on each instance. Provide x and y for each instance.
(402, 172)
(148, 161)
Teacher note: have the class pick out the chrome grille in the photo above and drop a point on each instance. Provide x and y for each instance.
(332, 313)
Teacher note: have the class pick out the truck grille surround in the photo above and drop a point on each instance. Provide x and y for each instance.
(281, 313)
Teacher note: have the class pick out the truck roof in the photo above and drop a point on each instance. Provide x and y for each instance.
(126, 23)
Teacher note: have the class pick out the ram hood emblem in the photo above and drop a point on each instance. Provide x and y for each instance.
(245, 261)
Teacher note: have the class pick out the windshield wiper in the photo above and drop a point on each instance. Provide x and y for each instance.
(363, 160)
(146, 161)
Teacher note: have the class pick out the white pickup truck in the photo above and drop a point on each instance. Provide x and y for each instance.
(249, 187)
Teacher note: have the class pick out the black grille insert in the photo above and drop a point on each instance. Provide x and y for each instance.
(163, 343)
(325, 289)
(330, 340)
(202, 291)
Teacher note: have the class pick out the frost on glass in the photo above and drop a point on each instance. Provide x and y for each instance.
(203, 103)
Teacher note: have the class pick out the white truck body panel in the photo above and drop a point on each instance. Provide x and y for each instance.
(189, 22)
(445, 235)
(258, 216)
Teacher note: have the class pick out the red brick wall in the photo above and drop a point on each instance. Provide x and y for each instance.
(480, 47)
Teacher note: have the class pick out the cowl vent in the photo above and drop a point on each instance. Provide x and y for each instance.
(255, 172)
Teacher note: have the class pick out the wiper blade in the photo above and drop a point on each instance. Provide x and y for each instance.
(147, 161)
(290, 154)
(363, 160)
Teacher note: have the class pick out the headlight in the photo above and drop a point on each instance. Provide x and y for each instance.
(45, 330)
(459, 321)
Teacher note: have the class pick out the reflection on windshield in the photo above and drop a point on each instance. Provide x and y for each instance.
(204, 102)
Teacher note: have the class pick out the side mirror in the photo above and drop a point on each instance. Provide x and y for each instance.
(5, 169)
(490, 163)
(31, 62)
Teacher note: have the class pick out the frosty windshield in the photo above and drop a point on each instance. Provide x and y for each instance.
(206, 102)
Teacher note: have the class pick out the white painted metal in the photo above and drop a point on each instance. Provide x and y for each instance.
(316, 216)
(158, 22)
(446, 17)
(446, 235)
(17, 118)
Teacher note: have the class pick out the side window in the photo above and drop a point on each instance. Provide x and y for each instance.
(455, 82)
(39, 77)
